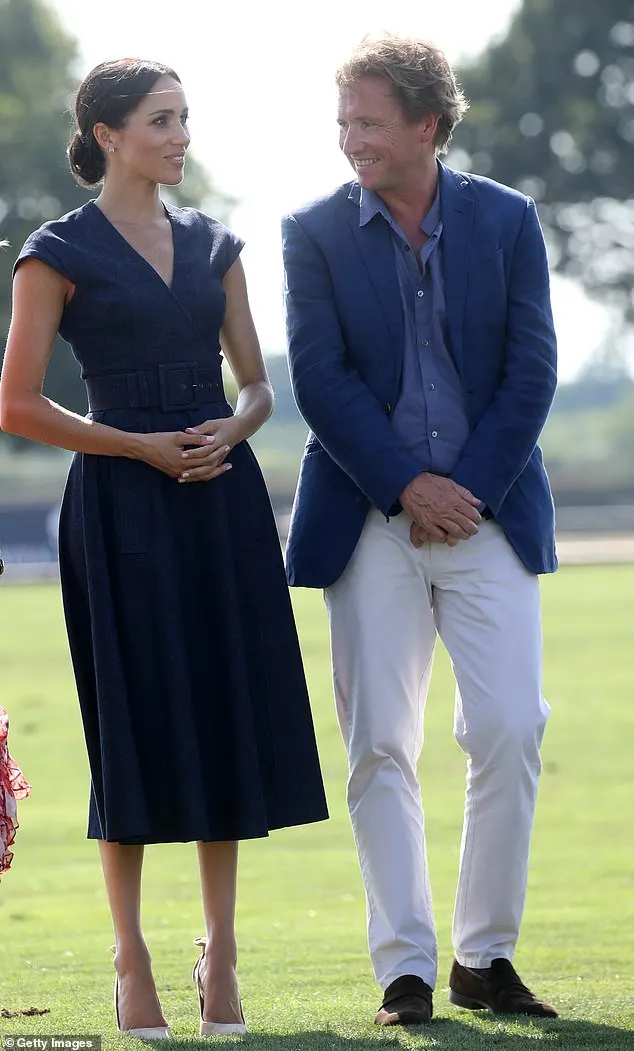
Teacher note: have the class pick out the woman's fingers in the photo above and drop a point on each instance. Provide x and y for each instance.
(208, 428)
(193, 437)
(205, 464)
(202, 451)
(204, 474)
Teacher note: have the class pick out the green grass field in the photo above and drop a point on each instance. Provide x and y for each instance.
(304, 972)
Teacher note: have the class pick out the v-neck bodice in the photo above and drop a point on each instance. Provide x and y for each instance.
(173, 227)
(122, 315)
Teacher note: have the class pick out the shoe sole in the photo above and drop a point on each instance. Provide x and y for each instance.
(468, 1002)
(407, 1021)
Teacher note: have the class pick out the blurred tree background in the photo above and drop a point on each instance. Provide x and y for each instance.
(552, 113)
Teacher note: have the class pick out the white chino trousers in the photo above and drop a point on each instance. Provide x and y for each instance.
(385, 611)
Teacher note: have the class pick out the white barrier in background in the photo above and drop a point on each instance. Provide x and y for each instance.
(28, 538)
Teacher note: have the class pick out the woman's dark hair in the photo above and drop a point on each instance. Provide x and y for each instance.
(110, 92)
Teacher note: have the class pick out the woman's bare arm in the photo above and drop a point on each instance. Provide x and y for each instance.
(39, 296)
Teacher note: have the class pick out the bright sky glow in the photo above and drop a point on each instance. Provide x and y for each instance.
(259, 82)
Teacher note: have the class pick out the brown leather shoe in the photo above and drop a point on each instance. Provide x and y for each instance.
(406, 1001)
(498, 989)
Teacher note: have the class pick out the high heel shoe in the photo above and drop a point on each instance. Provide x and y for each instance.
(158, 1032)
(213, 1028)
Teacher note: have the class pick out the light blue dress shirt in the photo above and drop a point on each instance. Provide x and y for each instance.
(429, 414)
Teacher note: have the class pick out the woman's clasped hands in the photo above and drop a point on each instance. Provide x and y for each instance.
(195, 455)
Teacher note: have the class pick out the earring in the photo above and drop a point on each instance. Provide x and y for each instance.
(111, 149)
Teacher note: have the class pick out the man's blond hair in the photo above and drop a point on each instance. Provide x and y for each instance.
(419, 75)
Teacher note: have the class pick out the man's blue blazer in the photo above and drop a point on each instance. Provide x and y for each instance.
(345, 342)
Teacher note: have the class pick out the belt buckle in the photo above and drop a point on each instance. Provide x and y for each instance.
(208, 387)
(177, 389)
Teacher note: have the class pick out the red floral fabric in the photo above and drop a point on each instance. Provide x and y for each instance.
(13, 786)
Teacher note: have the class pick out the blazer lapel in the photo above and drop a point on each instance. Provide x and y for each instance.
(374, 241)
(456, 205)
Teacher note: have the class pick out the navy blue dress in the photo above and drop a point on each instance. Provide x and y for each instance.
(188, 669)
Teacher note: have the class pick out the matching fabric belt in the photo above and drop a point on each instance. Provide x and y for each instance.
(169, 387)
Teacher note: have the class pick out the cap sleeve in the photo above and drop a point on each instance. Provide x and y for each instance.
(225, 246)
(47, 246)
(232, 246)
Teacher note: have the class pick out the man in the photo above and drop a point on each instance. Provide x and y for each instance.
(422, 356)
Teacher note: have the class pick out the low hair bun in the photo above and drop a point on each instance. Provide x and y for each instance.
(86, 160)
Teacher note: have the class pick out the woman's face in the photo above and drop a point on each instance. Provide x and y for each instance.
(154, 140)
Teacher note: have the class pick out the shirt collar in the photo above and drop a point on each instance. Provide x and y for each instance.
(371, 204)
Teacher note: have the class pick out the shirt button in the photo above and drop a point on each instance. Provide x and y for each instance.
(432, 386)
(425, 342)
(420, 292)
(434, 434)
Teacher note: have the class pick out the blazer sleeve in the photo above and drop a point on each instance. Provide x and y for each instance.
(505, 437)
(345, 415)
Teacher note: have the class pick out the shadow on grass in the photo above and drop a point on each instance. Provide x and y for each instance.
(519, 1034)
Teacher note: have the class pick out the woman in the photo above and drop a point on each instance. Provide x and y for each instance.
(184, 648)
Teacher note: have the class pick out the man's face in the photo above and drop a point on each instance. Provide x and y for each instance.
(387, 153)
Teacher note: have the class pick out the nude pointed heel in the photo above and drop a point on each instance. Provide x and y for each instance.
(213, 1028)
(158, 1032)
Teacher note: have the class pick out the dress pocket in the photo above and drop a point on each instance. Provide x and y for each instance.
(133, 484)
